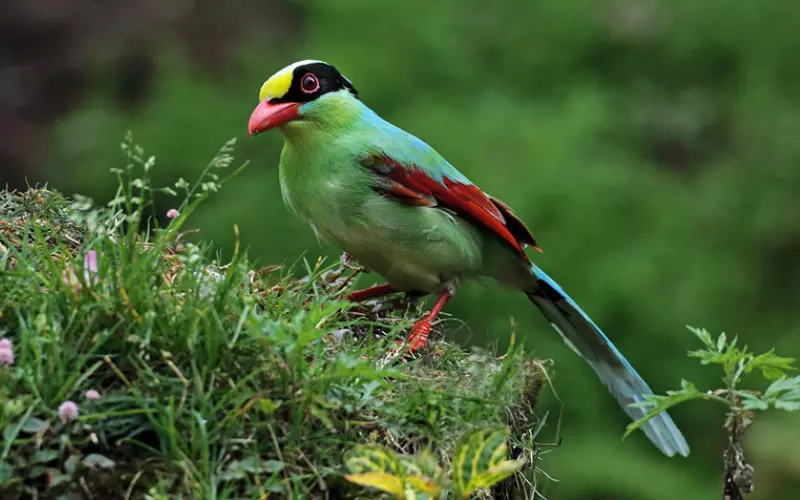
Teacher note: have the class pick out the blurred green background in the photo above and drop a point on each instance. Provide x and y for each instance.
(651, 146)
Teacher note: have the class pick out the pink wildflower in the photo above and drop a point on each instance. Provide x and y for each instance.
(6, 357)
(90, 268)
(68, 277)
(92, 394)
(67, 411)
(6, 352)
(172, 213)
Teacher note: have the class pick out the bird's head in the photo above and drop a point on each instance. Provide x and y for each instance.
(301, 94)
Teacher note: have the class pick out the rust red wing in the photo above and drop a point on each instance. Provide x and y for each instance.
(515, 225)
(412, 186)
(404, 194)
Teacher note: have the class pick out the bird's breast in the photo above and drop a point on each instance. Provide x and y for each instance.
(328, 192)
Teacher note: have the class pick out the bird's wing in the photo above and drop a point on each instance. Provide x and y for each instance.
(446, 188)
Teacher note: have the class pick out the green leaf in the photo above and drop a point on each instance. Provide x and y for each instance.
(499, 472)
(703, 335)
(381, 467)
(56, 477)
(657, 403)
(427, 464)
(268, 406)
(787, 405)
(275, 486)
(781, 385)
(480, 460)
(9, 433)
(95, 460)
(784, 393)
(721, 341)
(722, 352)
(44, 456)
(706, 356)
(233, 471)
(34, 425)
(16, 407)
(273, 466)
(790, 395)
(322, 416)
(751, 401)
(422, 484)
(36, 471)
(71, 464)
(408, 466)
(372, 458)
(772, 366)
(251, 465)
(6, 473)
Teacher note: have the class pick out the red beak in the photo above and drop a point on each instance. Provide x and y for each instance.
(267, 116)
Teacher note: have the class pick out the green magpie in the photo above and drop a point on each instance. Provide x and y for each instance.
(395, 205)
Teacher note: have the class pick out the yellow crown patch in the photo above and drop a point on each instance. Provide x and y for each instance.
(277, 86)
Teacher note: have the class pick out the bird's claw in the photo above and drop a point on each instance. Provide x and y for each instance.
(349, 263)
(419, 335)
(417, 339)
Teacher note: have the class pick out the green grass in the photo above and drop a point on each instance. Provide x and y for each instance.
(216, 380)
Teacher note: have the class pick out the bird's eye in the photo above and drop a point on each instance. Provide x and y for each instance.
(309, 84)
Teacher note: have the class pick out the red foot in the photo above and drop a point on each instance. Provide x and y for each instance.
(422, 328)
(419, 335)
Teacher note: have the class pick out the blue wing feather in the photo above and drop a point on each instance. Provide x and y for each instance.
(409, 149)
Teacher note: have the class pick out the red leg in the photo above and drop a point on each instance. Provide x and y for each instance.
(371, 293)
(422, 328)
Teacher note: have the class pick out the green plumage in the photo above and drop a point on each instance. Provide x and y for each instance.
(414, 247)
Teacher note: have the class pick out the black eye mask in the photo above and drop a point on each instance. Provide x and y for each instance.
(328, 79)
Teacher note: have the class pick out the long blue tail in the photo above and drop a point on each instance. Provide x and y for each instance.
(585, 338)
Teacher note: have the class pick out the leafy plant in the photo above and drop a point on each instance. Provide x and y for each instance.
(783, 393)
(479, 462)
(152, 368)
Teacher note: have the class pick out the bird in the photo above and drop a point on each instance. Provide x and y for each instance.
(395, 205)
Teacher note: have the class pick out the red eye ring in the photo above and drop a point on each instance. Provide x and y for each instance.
(309, 83)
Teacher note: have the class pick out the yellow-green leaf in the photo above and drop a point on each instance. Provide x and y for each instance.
(372, 465)
(408, 465)
(496, 474)
(423, 484)
(413, 494)
(480, 460)
(427, 463)
(380, 480)
(372, 458)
